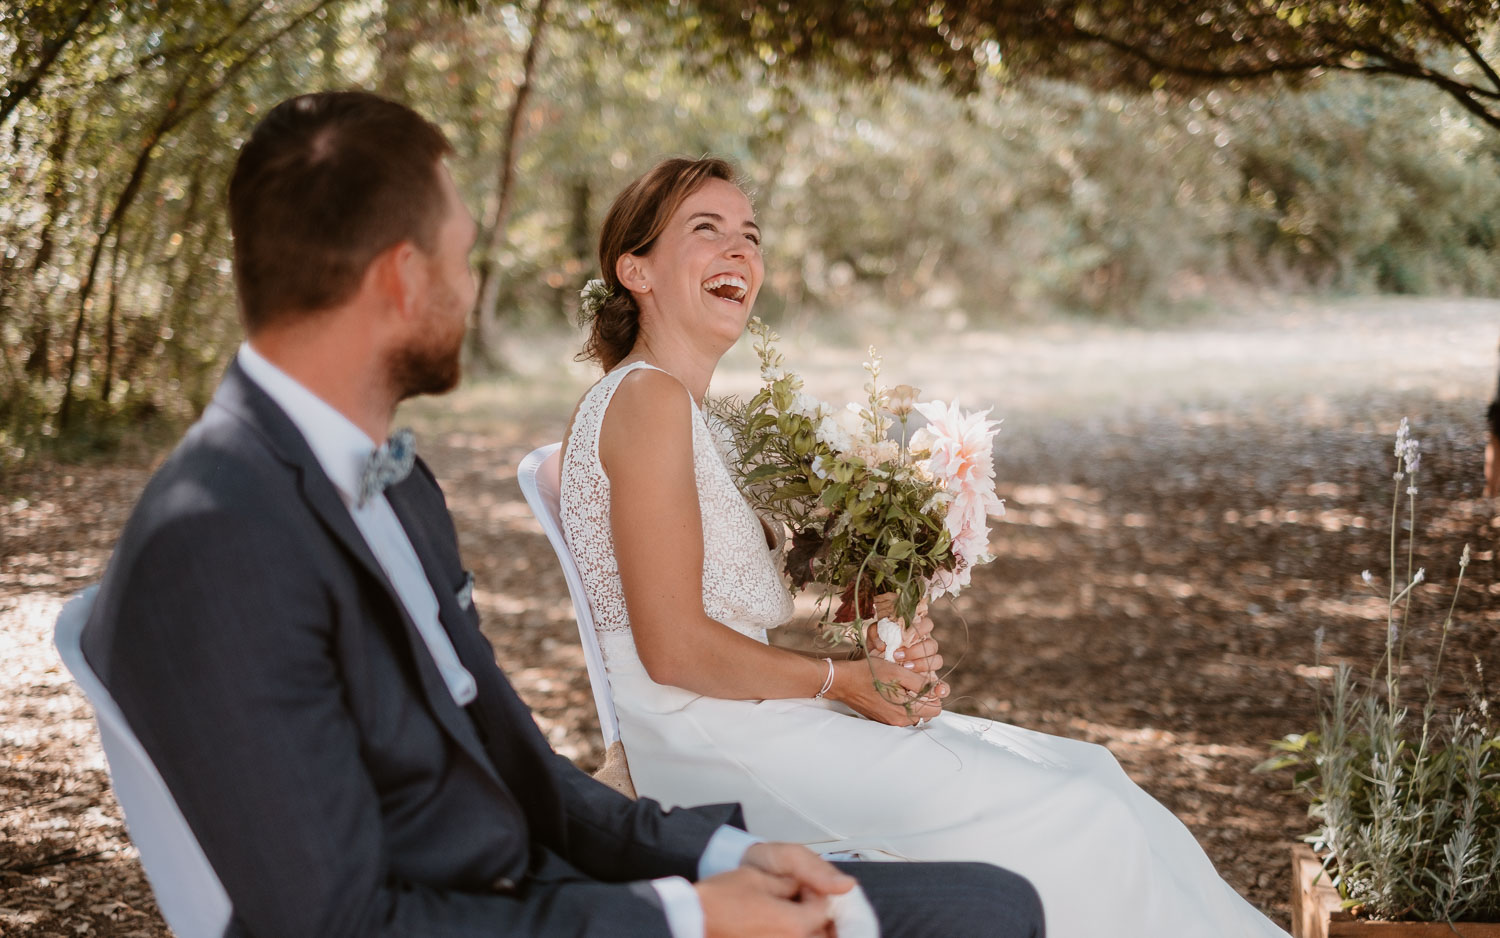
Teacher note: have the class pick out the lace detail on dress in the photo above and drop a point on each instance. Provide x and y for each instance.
(742, 586)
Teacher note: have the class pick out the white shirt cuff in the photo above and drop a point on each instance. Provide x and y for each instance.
(679, 900)
(726, 848)
(853, 916)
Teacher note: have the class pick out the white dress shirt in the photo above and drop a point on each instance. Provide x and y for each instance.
(342, 448)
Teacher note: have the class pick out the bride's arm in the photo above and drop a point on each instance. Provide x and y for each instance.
(646, 447)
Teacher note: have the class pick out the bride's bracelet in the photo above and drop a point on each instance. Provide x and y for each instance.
(827, 681)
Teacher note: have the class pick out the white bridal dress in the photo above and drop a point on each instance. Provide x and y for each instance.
(1105, 856)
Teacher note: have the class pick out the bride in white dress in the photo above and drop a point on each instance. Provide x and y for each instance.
(684, 589)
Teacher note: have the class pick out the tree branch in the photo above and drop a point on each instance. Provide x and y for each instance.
(1411, 68)
(18, 90)
(1205, 72)
(1434, 14)
(170, 54)
(1456, 90)
(1467, 95)
(245, 60)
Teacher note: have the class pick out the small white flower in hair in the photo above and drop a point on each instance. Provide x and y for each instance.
(592, 298)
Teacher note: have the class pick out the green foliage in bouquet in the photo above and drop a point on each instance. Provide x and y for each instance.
(865, 516)
(1408, 802)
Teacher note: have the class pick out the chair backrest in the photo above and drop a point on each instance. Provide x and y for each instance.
(188, 891)
(540, 475)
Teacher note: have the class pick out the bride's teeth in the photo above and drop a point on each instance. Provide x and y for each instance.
(734, 287)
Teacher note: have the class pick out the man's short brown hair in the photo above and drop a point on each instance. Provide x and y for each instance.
(325, 183)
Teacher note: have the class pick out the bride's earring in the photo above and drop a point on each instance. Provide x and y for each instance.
(632, 277)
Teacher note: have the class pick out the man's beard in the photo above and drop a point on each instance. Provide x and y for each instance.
(431, 364)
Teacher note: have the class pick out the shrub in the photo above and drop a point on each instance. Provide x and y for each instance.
(1407, 800)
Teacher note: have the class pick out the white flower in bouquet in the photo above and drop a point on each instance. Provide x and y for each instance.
(805, 405)
(832, 434)
(876, 452)
(852, 423)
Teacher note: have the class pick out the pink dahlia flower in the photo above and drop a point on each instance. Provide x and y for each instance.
(962, 447)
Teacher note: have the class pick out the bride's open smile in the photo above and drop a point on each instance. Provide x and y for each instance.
(728, 287)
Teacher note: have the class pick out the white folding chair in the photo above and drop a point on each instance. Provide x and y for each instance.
(188, 891)
(540, 475)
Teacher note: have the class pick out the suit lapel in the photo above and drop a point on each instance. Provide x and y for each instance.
(240, 395)
(516, 746)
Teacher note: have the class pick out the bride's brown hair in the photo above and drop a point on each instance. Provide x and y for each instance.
(636, 219)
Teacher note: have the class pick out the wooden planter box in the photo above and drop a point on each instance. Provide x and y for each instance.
(1316, 912)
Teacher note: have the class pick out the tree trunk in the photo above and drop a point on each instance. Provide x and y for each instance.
(190, 291)
(579, 240)
(328, 47)
(494, 227)
(172, 117)
(114, 225)
(474, 109)
(174, 310)
(54, 197)
(111, 318)
(402, 30)
(580, 192)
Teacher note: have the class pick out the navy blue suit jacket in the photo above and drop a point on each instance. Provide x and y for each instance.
(272, 673)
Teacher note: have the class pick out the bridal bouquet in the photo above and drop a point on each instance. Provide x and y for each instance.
(868, 513)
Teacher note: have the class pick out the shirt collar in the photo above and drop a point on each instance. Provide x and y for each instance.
(340, 446)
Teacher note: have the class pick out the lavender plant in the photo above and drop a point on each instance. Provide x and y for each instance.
(1406, 796)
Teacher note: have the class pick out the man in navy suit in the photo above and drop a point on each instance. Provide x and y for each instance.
(288, 627)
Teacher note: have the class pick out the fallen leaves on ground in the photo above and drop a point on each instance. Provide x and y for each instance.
(1159, 581)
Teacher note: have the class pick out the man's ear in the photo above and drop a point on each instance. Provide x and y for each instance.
(398, 275)
(633, 273)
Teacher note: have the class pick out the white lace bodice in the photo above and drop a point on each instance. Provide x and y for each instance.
(742, 585)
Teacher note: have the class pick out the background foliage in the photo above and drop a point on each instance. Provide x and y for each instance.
(929, 158)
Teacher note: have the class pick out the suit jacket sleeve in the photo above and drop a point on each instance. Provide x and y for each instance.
(222, 659)
(614, 837)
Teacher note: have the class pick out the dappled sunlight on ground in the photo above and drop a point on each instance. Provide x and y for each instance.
(1185, 509)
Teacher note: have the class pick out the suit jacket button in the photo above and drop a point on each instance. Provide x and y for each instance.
(504, 885)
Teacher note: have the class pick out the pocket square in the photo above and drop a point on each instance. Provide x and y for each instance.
(465, 594)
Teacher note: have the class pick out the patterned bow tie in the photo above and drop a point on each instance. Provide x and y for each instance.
(388, 464)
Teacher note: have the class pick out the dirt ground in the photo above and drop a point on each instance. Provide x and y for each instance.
(1187, 506)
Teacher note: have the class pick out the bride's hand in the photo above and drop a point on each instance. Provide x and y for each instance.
(907, 697)
(919, 649)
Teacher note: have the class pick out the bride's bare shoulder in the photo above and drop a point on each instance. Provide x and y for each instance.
(651, 394)
(650, 410)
